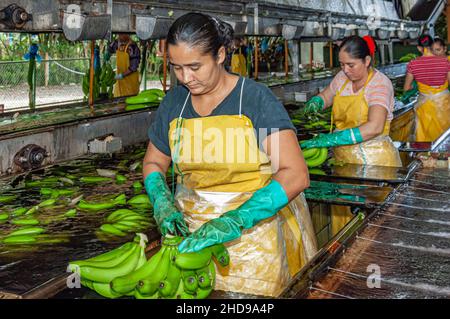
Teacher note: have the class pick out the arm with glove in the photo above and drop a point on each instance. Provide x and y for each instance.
(291, 179)
(319, 102)
(167, 216)
(372, 128)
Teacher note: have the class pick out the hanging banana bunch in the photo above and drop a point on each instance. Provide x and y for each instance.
(103, 82)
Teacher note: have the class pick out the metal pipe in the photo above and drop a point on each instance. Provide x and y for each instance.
(286, 58)
(331, 54)
(91, 78)
(256, 58)
(163, 43)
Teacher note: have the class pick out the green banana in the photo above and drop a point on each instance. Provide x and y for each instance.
(195, 260)
(319, 160)
(157, 92)
(23, 239)
(120, 179)
(140, 200)
(119, 200)
(130, 223)
(118, 214)
(87, 283)
(105, 290)
(137, 185)
(104, 262)
(18, 212)
(169, 286)
(143, 99)
(23, 222)
(204, 276)
(112, 254)
(190, 281)
(4, 216)
(94, 179)
(139, 295)
(133, 107)
(316, 171)
(124, 228)
(105, 275)
(309, 153)
(130, 281)
(32, 210)
(110, 229)
(136, 217)
(7, 198)
(71, 213)
(27, 231)
(148, 288)
(220, 253)
(47, 203)
(159, 274)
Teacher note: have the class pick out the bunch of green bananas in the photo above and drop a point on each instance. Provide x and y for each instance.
(170, 275)
(106, 79)
(90, 206)
(123, 221)
(97, 272)
(150, 97)
(103, 81)
(408, 57)
(315, 156)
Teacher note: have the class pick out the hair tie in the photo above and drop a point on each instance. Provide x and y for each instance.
(371, 44)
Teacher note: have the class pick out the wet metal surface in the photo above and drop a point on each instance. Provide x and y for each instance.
(24, 267)
(403, 252)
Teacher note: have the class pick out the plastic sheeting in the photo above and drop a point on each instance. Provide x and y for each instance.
(266, 257)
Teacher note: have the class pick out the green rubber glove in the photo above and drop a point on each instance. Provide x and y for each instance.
(106, 55)
(314, 105)
(264, 203)
(410, 93)
(345, 137)
(167, 216)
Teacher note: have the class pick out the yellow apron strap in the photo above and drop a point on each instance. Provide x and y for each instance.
(338, 93)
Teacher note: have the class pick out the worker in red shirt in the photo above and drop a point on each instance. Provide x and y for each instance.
(432, 74)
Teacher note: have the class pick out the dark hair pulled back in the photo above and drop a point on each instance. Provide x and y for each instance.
(425, 41)
(356, 47)
(201, 31)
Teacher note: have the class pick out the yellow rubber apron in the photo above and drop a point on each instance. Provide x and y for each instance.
(238, 63)
(219, 166)
(432, 112)
(349, 112)
(129, 85)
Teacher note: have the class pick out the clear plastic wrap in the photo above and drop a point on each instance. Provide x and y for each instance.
(265, 257)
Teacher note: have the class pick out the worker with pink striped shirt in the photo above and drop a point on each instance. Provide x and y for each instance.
(432, 74)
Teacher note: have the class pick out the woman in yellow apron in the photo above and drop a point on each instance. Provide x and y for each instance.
(432, 74)
(362, 129)
(226, 191)
(128, 57)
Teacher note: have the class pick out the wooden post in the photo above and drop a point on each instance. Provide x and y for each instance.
(256, 58)
(311, 53)
(286, 58)
(331, 55)
(163, 44)
(47, 69)
(91, 78)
